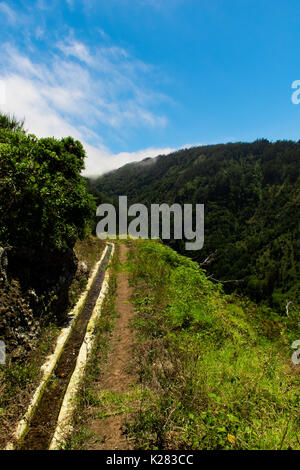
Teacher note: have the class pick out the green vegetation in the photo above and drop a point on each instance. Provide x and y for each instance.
(19, 379)
(45, 208)
(45, 211)
(10, 123)
(215, 369)
(252, 210)
(87, 253)
(43, 198)
(21, 375)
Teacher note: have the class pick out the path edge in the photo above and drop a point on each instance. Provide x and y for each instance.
(64, 422)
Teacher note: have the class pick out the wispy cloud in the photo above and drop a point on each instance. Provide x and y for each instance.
(25, 99)
(82, 91)
(106, 85)
(75, 49)
(8, 12)
(110, 161)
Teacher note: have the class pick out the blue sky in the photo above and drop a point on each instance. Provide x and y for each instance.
(134, 78)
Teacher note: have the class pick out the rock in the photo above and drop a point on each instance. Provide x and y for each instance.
(83, 267)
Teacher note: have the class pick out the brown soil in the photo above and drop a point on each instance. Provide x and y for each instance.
(117, 376)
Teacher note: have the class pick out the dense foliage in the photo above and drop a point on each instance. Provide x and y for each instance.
(10, 123)
(43, 199)
(252, 208)
(214, 369)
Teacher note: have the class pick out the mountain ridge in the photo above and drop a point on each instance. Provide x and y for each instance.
(252, 207)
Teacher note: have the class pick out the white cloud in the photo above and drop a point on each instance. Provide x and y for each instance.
(24, 99)
(103, 33)
(62, 97)
(79, 91)
(101, 160)
(76, 49)
(8, 12)
(104, 92)
(39, 32)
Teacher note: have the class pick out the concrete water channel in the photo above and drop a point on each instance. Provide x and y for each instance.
(42, 423)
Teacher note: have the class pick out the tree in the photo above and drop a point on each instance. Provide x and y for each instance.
(43, 197)
(10, 122)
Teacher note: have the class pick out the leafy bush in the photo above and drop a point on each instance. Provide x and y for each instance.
(10, 123)
(43, 198)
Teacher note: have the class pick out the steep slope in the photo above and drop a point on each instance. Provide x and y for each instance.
(252, 208)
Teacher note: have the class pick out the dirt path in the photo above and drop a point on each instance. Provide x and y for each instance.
(117, 378)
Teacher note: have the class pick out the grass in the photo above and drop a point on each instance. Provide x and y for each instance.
(19, 379)
(215, 369)
(110, 404)
(86, 251)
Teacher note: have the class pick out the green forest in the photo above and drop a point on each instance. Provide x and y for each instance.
(252, 207)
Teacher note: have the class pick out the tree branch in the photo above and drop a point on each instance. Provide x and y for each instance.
(211, 278)
(209, 259)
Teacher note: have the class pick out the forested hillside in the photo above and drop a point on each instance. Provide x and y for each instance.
(252, 207)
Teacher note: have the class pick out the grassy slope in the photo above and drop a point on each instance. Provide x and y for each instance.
(216, 369)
